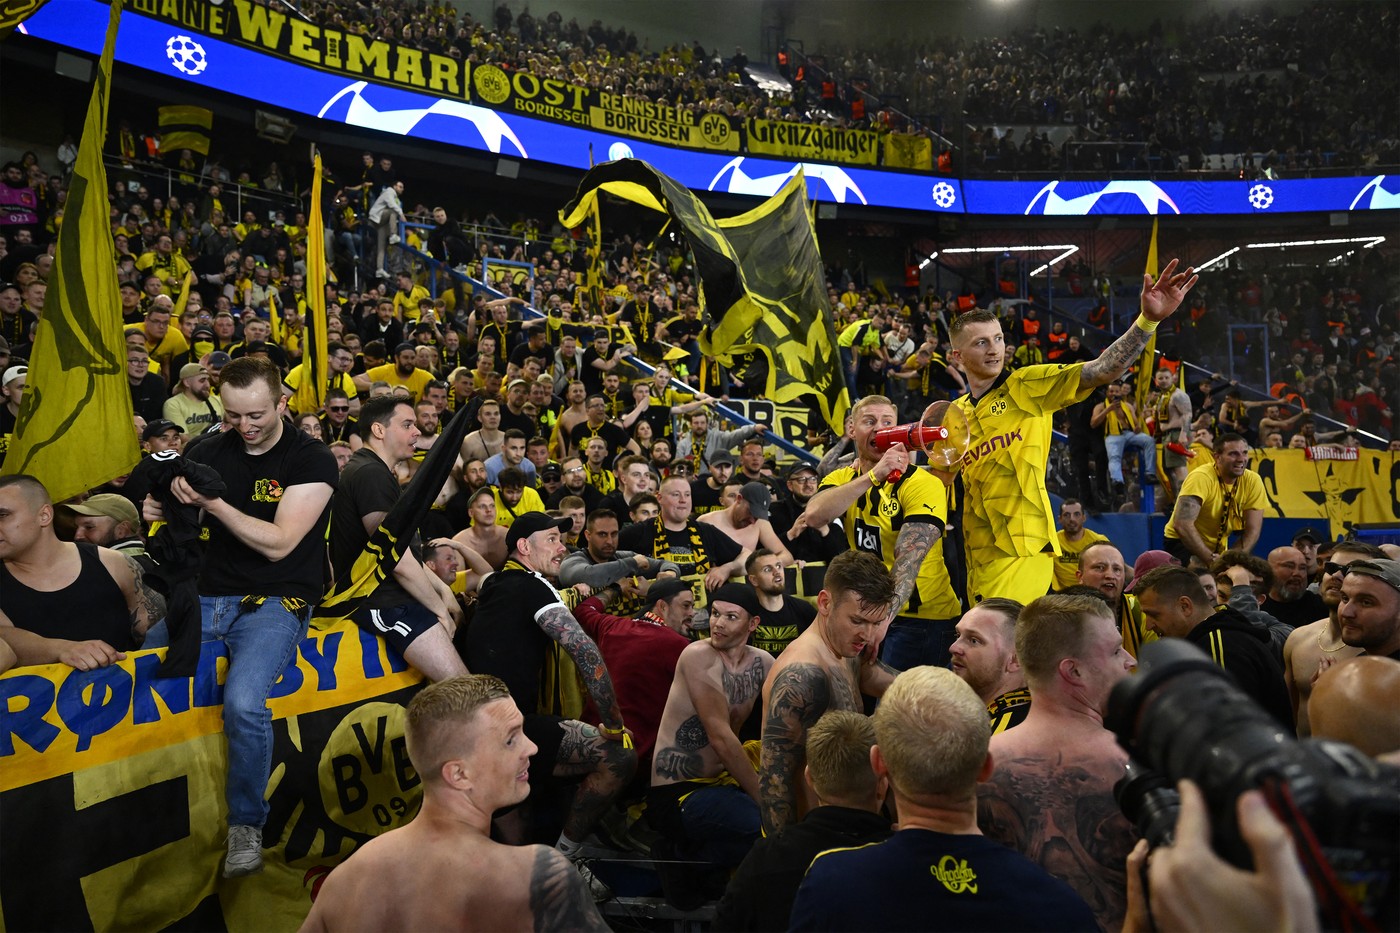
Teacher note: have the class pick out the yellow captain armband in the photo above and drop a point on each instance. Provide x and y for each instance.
(1145, 324)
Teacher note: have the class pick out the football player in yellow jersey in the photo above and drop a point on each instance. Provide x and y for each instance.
(1008, 529)
(900, 521)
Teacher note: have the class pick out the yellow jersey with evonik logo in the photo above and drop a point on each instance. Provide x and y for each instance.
(1006, 510)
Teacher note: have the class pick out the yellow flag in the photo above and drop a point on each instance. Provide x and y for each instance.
(274, 318)
(311, 391)
(74, 429)
(1147, 361)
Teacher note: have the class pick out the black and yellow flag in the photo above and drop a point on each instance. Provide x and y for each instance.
(762, 283)
(14, 12)
(389, 541)
(1147, 362)
(185, 127)
(74, 429)
(311, 391)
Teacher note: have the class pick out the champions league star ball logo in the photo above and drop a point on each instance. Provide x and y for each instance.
(186, 55)
(1261, 197)
(944, 195)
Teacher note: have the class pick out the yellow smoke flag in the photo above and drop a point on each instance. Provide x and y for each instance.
(74, 429)
(274, 318)
(1146, 362)
(311, 390)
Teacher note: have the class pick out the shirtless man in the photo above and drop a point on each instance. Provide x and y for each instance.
(465, 740)
(1312, 648)
(717, 682)
(1173, 409)
(1051, 794)
(486, 441)
(571, 417)
(483, 535)
(746, 521)
(827, 667)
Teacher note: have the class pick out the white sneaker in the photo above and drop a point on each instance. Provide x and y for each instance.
(244, 851)
(596, 886)
(382, 273)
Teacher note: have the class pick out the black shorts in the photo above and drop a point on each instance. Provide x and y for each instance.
(400, 626)
(547, 732)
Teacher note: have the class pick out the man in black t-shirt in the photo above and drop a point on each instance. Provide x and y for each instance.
(705, 490)
(783, 617)
(411, 609)
(601, 357)
(598, 425)
(695, 548)
(519, 617)
(263, 569)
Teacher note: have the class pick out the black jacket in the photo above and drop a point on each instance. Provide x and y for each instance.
(1243, 649)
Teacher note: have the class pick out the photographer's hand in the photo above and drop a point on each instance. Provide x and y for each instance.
(1194, 889)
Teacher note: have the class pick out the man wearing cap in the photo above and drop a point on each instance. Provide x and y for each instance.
(1176, 606)
(111, 521)
(705, 491)
(808, 544)
(403, 371)
(411, 609)
(600, 564)
(1290, 601)
(13, 380)
(161, 435)
(641, 654)
(746, 521)
(193, 408)
(705, 794)
(1369, 612)
(1308, 540)
(519, 619)
(513, 414)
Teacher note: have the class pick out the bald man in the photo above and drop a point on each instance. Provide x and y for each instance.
(1290, 601)
(1358, 702)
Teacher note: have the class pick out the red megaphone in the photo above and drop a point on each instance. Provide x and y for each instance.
(914, 436)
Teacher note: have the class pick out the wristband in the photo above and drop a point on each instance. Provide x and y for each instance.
(606, 731)
(1145, 324)
(875, 483)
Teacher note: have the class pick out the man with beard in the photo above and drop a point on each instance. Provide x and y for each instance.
(704, 442)
(781, 618)
(574, 478)
(601, 564)
(597, 425)
(1101, 567)
(1314, 647)
(519, 617)
(337, 424)
(745, 519)
(193, 408)
(805, 544)
(705, 491)
(1054, 806)
(1290, 601)
(985, 657)
(1214, 503)
(1074, 540)
(402, 372)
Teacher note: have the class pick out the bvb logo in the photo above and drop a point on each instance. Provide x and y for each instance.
(491, 84)
(714, 127)
(890, 507)
(998, 406)
(368, 785)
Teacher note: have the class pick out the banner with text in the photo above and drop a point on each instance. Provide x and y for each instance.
(809, 141)
(268, 28)
(112, 787)
(554, 99)
(1344, 492)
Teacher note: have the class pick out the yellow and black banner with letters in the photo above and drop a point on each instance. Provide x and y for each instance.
(1342, 492)
(812, 142)
(112, 787)
(275, 30)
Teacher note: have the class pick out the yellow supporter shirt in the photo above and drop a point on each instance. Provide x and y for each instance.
(1007, 508)
(341, 381)
(1222, 507)
(873, 523)
(530, 501)
(1067, 564)
(389, 373)
(406, 305)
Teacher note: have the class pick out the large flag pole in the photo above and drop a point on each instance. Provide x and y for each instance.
(74, 429)
(311, 391)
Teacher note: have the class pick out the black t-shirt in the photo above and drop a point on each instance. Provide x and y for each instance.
(680, 330)
(1305, 609)
(255, 486)
(616, 437)
(522, 352)
(521, 422)
(679, 546)
(703, 497)
(590, 375)
(504, 639)
(777, 630)
(148, 398)
(366, 485)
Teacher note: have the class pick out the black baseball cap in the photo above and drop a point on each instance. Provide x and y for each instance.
(800, 466)
(667, 589)
(531, 522)
(721, 460)
(157, 428)
(741, 595)
(1312, 534)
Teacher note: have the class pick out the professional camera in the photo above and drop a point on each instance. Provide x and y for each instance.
(1183, 717)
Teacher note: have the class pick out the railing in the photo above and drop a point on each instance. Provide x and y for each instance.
(159, 177)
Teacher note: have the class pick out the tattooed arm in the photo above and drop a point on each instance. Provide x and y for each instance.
(150, 603)
(911, 546)
(558, 898)
(707, 694)
(1159, 299)
(800, 694)
(1188, 509)
(559, 624)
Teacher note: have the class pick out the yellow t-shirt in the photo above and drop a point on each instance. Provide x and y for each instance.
(873, 522)
(292, 380)
(171, 345)
(1221, 505)
(1007, 509)
(406, 305)
(1067, 563)
(389, 373)
(530, 501)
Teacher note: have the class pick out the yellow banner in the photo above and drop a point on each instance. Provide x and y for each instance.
(1344, 492)
(269, 28)
(112, 784)
(810, 142)
(904, 151)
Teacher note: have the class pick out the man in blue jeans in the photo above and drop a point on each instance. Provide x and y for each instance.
(1121, 430)
(704, 794)
(263, 569)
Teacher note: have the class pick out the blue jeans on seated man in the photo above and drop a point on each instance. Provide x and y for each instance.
(261, 642)
(917, 642)
(1115, 445)
(722, 823)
